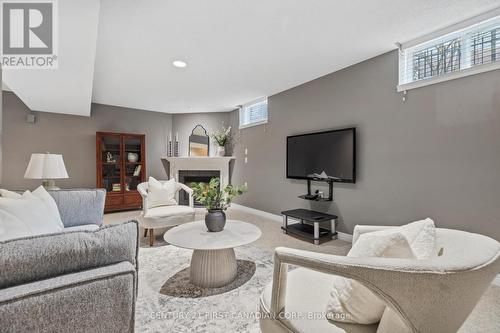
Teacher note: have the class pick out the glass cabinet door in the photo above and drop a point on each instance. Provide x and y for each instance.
(111, 163)
(133, 162)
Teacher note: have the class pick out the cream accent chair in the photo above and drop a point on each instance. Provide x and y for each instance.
(427, 296)
(164, 216)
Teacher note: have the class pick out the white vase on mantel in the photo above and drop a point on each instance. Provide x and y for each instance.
(220, 151)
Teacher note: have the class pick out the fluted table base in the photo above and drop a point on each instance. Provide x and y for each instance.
(213, 268)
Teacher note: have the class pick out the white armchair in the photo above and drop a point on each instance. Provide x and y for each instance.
(431, 295)
(164, 216)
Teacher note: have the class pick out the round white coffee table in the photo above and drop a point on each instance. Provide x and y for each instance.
(213, 263)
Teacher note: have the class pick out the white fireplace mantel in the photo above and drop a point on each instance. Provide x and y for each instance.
(220, 164)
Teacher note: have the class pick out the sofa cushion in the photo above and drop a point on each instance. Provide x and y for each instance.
(44, 256)
(169, 211)
(96, 300)
(306, 294)
(85, 227)
(80, 206)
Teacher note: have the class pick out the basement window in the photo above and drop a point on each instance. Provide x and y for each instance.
(253, 114)
(468, 48)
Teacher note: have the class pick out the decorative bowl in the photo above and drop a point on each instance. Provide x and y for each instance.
(133, 157)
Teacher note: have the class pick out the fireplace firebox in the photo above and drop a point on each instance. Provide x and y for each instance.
(194, 176)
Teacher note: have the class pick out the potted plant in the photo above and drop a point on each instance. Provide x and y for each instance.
(216, 201)
(221, 138)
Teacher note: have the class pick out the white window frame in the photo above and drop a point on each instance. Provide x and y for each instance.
(242, 111)
(428, 39)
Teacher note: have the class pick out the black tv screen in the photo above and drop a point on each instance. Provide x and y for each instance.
(321, 155)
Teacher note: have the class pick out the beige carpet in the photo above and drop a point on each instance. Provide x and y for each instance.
(485, 318)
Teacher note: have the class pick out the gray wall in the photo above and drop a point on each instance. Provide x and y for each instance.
(74, 137)
(436, 155)
(184, 124)
(1, 122)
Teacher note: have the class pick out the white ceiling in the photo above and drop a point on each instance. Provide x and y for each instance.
(236, 50)
(69, 88)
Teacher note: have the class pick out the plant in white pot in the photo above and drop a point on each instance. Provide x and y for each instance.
(221, 138)
(216, 201)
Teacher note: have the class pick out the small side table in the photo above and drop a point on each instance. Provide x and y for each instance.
(312, 232)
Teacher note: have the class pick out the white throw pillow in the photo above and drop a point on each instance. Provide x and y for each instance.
(422, 238)
(33, 212)
(388, 243)
(49, 201)
(10, 194)
(161, 194)
(40, 193)
(350, 301)
(11, 227)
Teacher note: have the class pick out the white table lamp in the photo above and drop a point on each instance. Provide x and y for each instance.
(46, 167)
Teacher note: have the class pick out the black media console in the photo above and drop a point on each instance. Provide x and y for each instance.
(303, 228)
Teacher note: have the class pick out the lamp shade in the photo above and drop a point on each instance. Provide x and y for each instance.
(46, 166)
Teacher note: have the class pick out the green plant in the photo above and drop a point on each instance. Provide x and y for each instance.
(212, 197)
(222, 136)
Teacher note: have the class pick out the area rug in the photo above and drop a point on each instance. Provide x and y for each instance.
(167, 302)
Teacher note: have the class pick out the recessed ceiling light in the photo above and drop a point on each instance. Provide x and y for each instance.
(179, 63)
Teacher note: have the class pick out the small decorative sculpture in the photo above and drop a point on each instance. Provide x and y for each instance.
(110, 158)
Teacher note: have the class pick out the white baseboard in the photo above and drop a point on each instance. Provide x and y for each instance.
(278, 218)
(497, 280)
(271, 216)
(344, 236)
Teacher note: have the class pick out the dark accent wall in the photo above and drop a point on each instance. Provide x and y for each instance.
(74, 137)
(436, 155)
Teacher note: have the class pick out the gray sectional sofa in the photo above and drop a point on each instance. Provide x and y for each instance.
(80, 280)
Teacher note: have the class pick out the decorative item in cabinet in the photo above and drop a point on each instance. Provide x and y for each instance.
(132, 157)
(121, 165)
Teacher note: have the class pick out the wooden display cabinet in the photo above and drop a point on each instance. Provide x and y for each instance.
(121, 166)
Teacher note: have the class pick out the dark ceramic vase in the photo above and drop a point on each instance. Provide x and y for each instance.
(215, 220)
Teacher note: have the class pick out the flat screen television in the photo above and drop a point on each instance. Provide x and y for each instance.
(322, 155)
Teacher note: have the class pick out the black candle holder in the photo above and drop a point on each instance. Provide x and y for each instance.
(169, 153)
